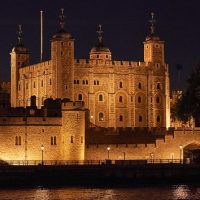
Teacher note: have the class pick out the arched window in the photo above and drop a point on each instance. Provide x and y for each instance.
(139, 99)
(101, 116)
(140, 118)
(157, 100)
(158, 86)
(139, 85)
(100, 97)
(120, 98)
(80, 97)
(158, 118)
(120, 118)
(120, 84)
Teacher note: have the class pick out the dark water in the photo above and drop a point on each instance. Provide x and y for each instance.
(177, 192)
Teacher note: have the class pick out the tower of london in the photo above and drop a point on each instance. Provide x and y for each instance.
(118, 93)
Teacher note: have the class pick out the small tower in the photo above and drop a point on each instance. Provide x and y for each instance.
(19, 58)
(100, 51)
(62, 55)
(153, 47)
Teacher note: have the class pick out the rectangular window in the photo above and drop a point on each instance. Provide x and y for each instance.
(81, 139)
(72, 139)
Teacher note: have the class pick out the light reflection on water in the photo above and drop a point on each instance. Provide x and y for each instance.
(174, 192)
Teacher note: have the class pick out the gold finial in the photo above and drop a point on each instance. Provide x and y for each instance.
(62, 19)
(152, 24)
(100, 34)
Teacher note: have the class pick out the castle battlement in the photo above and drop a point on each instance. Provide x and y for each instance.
(34, 67)
(70, 105)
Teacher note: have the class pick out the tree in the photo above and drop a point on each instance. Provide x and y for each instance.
(188, 105)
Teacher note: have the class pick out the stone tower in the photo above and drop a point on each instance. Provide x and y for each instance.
(62, 55)
(153, 47)
(19, 58)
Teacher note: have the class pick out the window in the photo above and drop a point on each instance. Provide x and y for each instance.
(120, 99)
(139, 85)
(72, 139)
(80, 97)
(26, 85)
(95, 83)
(106, 56)
(97, 56)
(158, 119)
(120, 118)
(50, 81)
(66, 87)
(140, 118)
(120, 84)
(61, 53)
(86, 82)
(83, 82)
(18, 140)
(42, 83)
(139, 99)
(158, 86)
(69, 43)
(74, 81)
(131, 99)
(100, 97)
(81, 139)
(77, 81)
(157, 100)
(101, 116)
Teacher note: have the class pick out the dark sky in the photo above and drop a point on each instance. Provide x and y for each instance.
(125, 25)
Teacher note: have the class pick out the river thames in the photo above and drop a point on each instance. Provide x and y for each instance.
(172, 192)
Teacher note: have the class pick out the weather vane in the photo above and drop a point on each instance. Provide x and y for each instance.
(62, 19)
(100, 34)
(152, 24)
(20, 35)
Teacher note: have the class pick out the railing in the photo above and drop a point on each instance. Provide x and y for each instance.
(93, 162)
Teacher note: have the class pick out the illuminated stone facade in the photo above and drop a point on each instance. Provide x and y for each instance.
(117, 93)
(58, 126)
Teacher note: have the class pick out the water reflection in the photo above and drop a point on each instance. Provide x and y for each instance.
(42, 194)
(181, 192)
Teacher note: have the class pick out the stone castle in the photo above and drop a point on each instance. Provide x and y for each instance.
(92, 109)
(117, 93)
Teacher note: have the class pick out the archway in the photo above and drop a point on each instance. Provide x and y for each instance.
(192, 152)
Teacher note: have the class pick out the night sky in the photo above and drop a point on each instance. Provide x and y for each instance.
(125, 24)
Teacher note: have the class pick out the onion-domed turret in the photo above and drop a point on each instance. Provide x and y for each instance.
(100, 51)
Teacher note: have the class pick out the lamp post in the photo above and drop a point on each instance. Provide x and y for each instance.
(42, 148)
(181, 148)
(108, 149)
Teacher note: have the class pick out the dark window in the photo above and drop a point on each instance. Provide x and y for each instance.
(157, 100)
(54, 140)
(94, 82)
(101, 116)
(139, 85)
(72, 139)
(74, 81)
(139, 99)
(61, 53)
(83, 82)
(50, 81)
(97, 56)
(131, 99)
(97, 82)
(100, 97)
(120, 98)
(86, 82)
(26, 85)
(140, 118)
(34, 84)
(158, 86)
(158, 119)
(120, 118)
(77, 81)
(42, 83)
(81, 139)
(120, 84)
(18, 140)
(66, 87)
(106, 56)
(80, 97)
(51, 140)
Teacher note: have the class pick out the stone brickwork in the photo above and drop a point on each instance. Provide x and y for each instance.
(117, 93)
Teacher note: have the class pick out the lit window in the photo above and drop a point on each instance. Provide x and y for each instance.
(80, 97)
(101, 116)
(140, 118)
(100, 97)
(120, 118)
